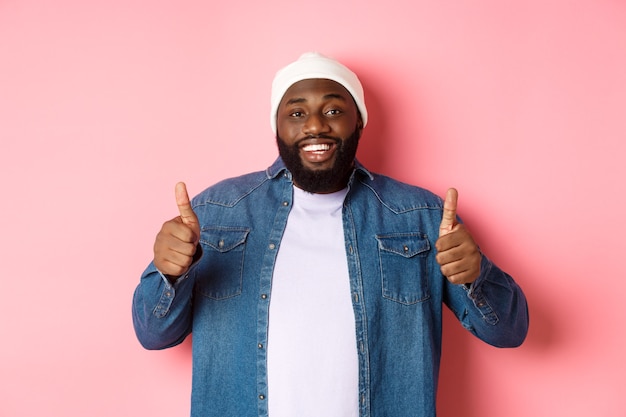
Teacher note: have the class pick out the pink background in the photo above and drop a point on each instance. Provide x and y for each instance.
(104, 105)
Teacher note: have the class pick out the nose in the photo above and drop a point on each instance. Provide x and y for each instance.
(315, 124)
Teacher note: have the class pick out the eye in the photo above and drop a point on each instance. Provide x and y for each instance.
(296, 113)
(333, 112)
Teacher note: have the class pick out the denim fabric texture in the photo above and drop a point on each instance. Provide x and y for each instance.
(398, 291)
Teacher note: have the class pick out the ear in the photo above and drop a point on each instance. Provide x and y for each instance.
(359, 122)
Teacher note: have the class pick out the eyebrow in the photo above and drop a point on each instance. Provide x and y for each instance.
(329, 96)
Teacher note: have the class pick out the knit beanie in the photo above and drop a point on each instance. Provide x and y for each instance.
(314, 65)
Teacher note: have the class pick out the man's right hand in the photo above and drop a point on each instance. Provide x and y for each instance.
(177, 240)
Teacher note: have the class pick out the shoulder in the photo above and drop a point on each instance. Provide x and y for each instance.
(398, 196)
(229, 191)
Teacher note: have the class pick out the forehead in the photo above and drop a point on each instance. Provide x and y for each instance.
(316, 88)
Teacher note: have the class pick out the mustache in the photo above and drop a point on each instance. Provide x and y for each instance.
(322, 136)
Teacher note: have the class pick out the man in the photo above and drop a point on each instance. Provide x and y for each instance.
(315, 288)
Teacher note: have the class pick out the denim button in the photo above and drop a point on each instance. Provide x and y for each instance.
(272, 246)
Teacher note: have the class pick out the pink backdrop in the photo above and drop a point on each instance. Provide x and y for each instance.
(104, 105)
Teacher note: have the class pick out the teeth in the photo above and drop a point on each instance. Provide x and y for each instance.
(316, 147)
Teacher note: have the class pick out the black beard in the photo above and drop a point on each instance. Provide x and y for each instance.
(324, 180)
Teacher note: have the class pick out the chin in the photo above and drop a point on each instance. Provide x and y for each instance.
(328, 177)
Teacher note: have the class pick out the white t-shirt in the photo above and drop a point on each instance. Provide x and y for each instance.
(312, 355)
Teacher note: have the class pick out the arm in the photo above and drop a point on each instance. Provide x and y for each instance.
(485, 299)
(162, 312)
(493, 307)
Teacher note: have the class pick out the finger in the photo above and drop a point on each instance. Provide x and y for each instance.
(465, 277)
(178, 259)
(448, 220)
(180, 239)
(461, 272)
(172, 269)
(184, 206)
(174, 231)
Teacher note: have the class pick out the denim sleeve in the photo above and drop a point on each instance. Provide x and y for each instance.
(162, 313)
(493, 307)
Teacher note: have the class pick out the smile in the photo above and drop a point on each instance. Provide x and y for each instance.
(316, 147)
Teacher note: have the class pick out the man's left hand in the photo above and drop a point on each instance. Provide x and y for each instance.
(457, 253)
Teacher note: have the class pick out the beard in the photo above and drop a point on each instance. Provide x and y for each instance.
(323, 180)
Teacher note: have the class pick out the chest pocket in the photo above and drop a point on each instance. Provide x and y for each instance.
(403, 266)
(223, 250)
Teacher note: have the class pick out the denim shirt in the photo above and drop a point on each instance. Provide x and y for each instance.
(397, 288)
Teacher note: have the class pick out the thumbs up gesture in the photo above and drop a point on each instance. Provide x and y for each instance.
(457, 253)
(176, 242)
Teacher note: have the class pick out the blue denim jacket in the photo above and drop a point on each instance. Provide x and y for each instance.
(397, 290)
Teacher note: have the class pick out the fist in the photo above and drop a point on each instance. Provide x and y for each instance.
(457, 253)
(176, 242)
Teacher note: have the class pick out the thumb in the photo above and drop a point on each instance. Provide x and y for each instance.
(184, 207)
(448, 221)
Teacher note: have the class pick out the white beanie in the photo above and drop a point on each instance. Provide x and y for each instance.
(314, 65)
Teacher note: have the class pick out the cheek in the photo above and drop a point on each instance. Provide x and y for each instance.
(347, 127)
(287, 131)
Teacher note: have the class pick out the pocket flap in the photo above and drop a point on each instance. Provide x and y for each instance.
(223, 239)
(404, 244)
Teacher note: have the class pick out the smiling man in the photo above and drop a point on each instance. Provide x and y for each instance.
(315, 288)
